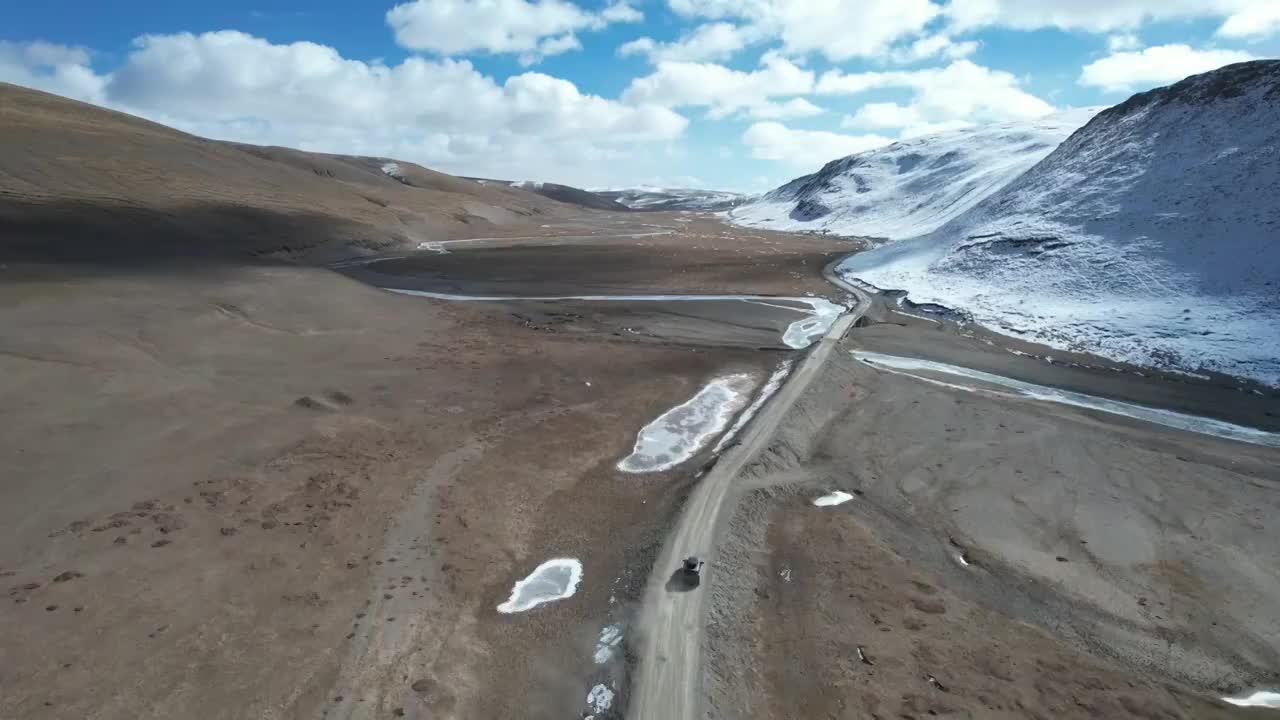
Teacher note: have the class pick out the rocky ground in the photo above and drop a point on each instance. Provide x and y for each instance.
(1112, 564)
(240, 490)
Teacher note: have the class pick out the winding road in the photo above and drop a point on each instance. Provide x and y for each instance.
(669, 682)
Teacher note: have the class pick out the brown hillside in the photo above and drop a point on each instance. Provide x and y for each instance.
(79, 182)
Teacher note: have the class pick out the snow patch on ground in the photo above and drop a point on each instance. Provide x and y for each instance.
(679, 433)
(911, 187)
(610, 638)
(835, 497)
(553, 580)
(770, 387)
(1262, 698)
(1167, 418)
(600, 699)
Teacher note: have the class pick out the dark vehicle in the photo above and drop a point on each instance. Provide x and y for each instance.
(693, 568)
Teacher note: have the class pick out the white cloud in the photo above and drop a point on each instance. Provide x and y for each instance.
(59, 69)
(961, 92)
(711, 41)
(533, 28)
(723, 90)
(837, 29)
(933, 46)
(793, 108)
(805, 148)
(1255, 21)
(1103, 15)
(442, 113)
(1155, 66)
(1122, 42)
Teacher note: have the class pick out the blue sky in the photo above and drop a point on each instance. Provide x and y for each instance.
(732, 94)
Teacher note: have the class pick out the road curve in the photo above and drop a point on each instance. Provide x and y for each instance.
(669, 679)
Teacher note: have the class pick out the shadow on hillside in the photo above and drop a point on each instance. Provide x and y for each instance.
(127, 235)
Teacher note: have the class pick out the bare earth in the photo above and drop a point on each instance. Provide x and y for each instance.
(241, 480)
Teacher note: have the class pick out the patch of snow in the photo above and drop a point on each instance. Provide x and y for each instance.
(1138, 239)
(610, 638)
(913, 186)
(434, 246)
(528, 185)
(1167, 418)
(770, 387)
(392, 170)
(600, 698)
(683, 199)
(679, 433)
(553, 580)
(785, 574)
(961, 559)
(1262, 698)
(835, 497)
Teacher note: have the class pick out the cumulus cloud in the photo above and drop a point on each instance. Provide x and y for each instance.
(1105, 15)
(947, 97)
(711, 41)
(1155, 66)
(1254, 21)
(722, 90)
(805, 148)
(443, 113)
(532, 28)
(1123, 41)
(837, 29)
(60, 69)
(932, 46)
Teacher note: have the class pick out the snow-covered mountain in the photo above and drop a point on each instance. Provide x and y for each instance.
(1152, 234)
(651, 198)
(911, 187)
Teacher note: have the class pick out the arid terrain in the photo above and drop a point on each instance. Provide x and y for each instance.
(244, 478)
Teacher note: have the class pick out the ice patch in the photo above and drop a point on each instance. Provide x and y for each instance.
(679, 433)
(834, 498)
(555, 579)
(770, 387)
(610, 638)
(802, 333)
(798, 335)
(436, 246)
(1167, 418)
(1262, 698)
(600, 699)
(392, 170)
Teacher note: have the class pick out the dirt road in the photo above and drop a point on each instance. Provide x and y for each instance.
(670, 668)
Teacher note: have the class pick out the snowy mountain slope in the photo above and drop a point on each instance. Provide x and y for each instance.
(649, 198)
(911, 187)
(1151, 235)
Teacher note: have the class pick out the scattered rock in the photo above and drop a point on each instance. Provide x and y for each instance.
(398, 712)
(161, 542)
(50, 608)
(169, 522)
(269, 524)
(120, 540)
(228, 531)
(68, 575)
(422, 686)
(1060, 558)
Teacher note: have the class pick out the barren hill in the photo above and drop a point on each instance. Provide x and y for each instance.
(85, 183)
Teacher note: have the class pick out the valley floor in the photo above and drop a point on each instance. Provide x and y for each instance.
(282, 492)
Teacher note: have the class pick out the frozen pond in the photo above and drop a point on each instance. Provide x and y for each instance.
(679, 433)
(1261, 698)
(834, 498)
(801, 333)
(770, 387)
(1168, 418)
(555, 579)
